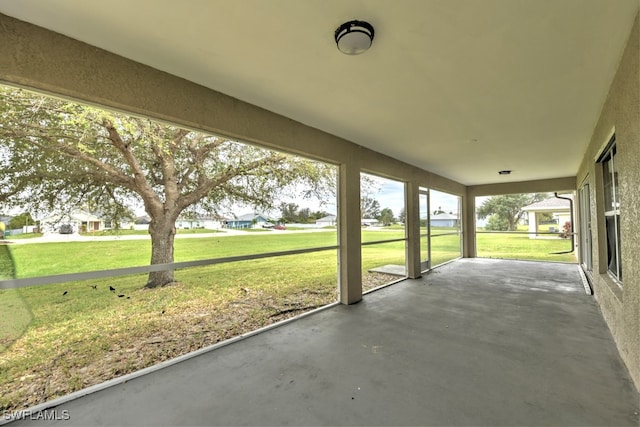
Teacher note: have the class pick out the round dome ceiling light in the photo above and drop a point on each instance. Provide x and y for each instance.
(354, 37)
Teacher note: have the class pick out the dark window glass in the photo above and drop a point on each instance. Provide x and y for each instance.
(612, 210)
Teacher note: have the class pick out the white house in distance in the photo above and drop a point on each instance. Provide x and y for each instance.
(206, 222)
(327, 221)
(444, 220)
(71, 222)
(559, 208)
(369, 222)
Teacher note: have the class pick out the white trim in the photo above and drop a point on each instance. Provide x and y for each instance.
(585, 281)
(603, 147)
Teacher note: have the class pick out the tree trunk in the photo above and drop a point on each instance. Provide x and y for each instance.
(162, 231)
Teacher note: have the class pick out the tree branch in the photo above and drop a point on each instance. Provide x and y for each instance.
(205, 185)
(141, 185)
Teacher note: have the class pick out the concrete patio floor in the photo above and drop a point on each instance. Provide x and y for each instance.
(474, 342)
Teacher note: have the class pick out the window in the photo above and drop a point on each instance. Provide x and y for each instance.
(612, 209)
(585, 228)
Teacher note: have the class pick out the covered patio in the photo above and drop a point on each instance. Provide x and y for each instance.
(474, 342)
(472, 99)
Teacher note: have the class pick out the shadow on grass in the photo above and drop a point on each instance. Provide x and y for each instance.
(16, 314)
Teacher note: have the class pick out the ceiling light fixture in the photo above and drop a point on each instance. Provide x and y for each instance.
(354, 37)
(504, 172)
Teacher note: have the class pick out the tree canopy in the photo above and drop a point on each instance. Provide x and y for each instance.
(386, 216)
(369, 207)
(55, 153)
(505, 211)
(291, 212)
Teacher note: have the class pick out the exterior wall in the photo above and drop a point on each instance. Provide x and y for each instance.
(563, 218)
(620, 114)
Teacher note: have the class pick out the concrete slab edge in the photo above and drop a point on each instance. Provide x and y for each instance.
(145, 371)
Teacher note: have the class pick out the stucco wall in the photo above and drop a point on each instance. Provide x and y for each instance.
(620, 113)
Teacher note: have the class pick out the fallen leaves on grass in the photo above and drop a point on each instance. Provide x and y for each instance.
(130, 342)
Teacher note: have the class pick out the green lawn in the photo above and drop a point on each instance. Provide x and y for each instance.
(71, 257)
(520, 246)
(55, 343)
(89, 335)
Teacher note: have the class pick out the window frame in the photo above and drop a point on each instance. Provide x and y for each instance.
(611, 212)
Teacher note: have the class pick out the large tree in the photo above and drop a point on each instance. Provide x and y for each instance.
(506, 211)
(402, 217)
(57, 153)
(369, 207)
(288, 212)
(386, 216)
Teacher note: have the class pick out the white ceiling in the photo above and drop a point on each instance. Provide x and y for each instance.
(463, 88)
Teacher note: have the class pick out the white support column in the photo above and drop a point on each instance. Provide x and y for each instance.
(412, 227)
(350, 239)
(468, 216)
(533, 224)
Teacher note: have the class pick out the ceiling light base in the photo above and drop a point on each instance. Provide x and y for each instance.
(354, 37)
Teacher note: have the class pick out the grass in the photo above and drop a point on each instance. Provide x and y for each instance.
(71, 257)
(520, 246)
(89, 335)
(58, 343)
(52, 343)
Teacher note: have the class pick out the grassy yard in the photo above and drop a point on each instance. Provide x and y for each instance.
(520, 246)
(88, 256)
(56, 339)
(63, 337)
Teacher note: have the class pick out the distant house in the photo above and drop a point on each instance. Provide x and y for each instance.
(250, 220)
(560, 209)
(71, 222)
(327, 221)
(443, 220)
(369, 222)
(209, 222)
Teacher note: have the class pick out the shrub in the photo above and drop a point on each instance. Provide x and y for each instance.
(496, 223)
(566, 230)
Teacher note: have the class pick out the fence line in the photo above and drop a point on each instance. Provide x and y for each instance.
(126, 271)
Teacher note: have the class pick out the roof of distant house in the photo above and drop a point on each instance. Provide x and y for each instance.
(251, 217)
(444, 216)
(548, 205)
(143, 219)
(77, 215)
